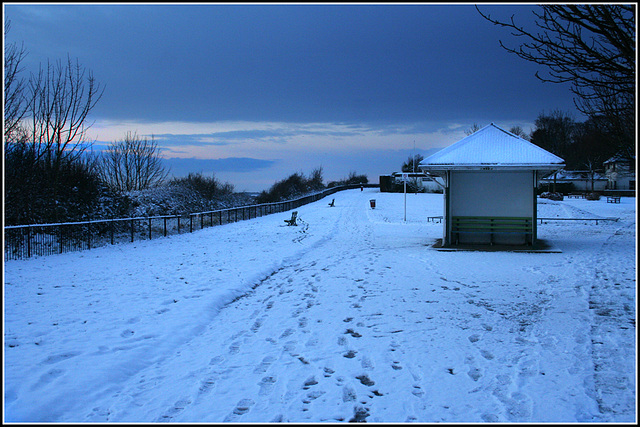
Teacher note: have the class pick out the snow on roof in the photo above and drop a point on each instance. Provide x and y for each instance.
(619, 158)
(565, 175)
(492, 146)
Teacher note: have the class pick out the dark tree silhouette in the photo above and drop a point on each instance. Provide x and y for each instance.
(591, 46)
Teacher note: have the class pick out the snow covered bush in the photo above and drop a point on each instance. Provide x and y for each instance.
(183, 196)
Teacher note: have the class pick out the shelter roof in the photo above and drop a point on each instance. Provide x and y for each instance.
(492, 148)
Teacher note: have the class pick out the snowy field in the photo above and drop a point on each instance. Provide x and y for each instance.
(351, 316)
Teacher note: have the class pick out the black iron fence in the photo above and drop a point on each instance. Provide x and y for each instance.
(24, 241)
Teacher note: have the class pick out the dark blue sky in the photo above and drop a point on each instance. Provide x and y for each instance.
(292, 85)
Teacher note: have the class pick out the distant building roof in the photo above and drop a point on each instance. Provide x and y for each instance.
(495, 148)
(565, 175)
(619, 158)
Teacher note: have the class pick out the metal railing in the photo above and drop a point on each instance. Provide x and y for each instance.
(24, 241)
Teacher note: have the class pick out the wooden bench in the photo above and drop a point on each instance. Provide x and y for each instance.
(292, 221)
(491, 225)
(613, 199)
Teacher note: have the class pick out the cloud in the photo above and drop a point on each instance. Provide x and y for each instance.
(183, 166)
(278, 140)
(254, 155)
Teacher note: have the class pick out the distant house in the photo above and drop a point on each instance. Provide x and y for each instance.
(584, 181)
(419, 180)
(490, 180)
(621, 173)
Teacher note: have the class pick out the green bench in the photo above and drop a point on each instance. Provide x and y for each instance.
(491, 225)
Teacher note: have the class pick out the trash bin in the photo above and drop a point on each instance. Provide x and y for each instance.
(373, 203)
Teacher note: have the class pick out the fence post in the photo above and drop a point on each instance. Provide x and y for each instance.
(89, 235)
(29, 242)
(149, 228)
(165, 226)
(132, 225)
(111, 229)
(178, 216)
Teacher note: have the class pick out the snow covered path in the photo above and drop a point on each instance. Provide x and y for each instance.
(351, 316)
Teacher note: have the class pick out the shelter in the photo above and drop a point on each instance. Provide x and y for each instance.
(490, 180)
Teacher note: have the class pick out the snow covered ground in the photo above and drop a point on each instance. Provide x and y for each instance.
(351, 316)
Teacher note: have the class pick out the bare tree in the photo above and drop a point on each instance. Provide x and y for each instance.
(591, 46)
(518, 131)
(133, 163)
(15, 106)
(60, 101)
(45, 131)
(473, 129)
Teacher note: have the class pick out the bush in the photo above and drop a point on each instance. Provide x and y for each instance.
(39, 191)
(552, 196)
(179, 197)
(295, 185)
(353, 178)
(206, 187)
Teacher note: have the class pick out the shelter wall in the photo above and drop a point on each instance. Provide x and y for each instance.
(491, 193)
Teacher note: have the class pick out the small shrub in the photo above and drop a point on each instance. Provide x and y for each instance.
(552, 196)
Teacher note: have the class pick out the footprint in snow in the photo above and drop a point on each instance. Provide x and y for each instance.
(311, 381)
(243, 406)
(286, 333)
(55, 358)
(266, 385)
(475, 373)
(177, 408)
(312, 395)
(417, 391)
(206, 385)
(350, 354)
(348, 394)
(48, 377)
(360, 415)
(365, 380)
(352, 333)
(486, 354)
(264, 365)
(234, 348)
